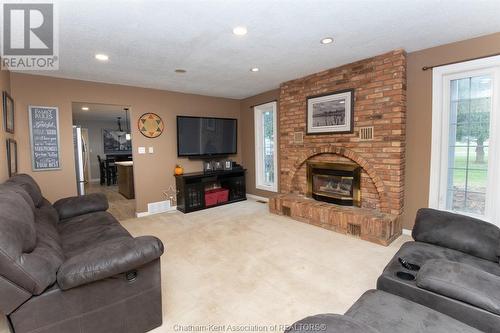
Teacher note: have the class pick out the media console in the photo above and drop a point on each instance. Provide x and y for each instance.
(194, 188)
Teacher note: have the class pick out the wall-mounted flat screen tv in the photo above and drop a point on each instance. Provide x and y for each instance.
(206, 137)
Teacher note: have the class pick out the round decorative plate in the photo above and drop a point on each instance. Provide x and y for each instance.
(150, 125)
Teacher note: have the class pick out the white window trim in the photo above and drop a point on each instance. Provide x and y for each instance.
(259, 156)
(441, 77)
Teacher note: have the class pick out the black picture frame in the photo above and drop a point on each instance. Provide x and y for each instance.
(346, 95)
(11, 157)
(8, 112)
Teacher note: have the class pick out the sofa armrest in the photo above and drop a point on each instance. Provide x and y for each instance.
(457, 232)
(107, 260)
(79, 205)
(461, 282)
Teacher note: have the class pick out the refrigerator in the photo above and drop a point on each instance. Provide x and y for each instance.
(81, 151)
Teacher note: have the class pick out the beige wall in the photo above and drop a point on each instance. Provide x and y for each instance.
(4, 86)
(152, 172)
(419, 113)
(248, 137)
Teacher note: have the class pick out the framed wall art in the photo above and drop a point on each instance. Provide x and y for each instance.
(12, 157)
(8, 112)
(44, 135)
(331, 113)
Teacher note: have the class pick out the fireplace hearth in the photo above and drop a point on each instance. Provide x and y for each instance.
(337, 183)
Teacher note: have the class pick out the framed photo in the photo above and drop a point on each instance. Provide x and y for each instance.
(8, 112)
(332, 113)
(11, 157)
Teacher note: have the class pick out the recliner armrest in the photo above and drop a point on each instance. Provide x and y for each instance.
(457, 232)
(107, 260)
(79, 205)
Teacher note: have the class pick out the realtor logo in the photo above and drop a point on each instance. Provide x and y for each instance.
(29, 38)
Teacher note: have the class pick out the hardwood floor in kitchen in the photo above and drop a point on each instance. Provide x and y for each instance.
(121, 207)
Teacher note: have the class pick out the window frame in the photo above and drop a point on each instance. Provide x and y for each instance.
(441, 78)
(259, 146)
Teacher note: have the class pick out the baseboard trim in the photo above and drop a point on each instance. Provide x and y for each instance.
(257, 197)
(144, 214)
(407, 232)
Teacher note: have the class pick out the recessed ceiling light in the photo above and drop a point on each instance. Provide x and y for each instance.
(101, 57)
(254, 69)
(180, 71)
(240, 31)
(327, 40)
(85, 108)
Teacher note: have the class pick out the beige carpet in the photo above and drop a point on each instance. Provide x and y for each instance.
(240, 265)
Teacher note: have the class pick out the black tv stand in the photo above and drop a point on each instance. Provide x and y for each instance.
(191, 188)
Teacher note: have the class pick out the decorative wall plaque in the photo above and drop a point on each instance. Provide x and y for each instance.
(44, 130)
(150, 125)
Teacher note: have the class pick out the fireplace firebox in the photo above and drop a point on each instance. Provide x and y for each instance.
(337, 183)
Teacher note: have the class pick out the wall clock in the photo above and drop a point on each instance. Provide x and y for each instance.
(150, 125)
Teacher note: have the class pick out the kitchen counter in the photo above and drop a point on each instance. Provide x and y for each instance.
(126, 179)
(125, 163)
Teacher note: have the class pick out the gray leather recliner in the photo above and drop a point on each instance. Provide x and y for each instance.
(460, 271)
(71, 266)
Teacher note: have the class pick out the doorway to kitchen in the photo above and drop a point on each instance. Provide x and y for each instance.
(102, 143)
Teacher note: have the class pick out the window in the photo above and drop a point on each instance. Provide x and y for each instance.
(464, 167)
(266, 156)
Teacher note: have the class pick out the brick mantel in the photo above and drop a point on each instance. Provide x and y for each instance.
(379, 85)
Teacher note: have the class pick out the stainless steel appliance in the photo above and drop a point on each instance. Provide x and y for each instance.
(81, 152)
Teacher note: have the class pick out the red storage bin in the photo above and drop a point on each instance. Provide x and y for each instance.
(211, 198)
(223, 195)
(216, 196)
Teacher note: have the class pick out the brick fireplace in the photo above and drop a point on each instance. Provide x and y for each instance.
(379, 85)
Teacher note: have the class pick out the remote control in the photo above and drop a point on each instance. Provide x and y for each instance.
(407, 265)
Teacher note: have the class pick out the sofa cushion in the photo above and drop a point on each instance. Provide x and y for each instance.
(84, 232)
(24, 259)
(458, 232)
(29, 185)
(462, 282)
(21, 191)
(389, 313)
(329, 323)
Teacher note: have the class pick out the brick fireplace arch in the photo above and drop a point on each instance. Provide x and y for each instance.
(353, 156)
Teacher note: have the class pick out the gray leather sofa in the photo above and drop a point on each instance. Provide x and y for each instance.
(450, 282)
(71, 266)
(380, 312)
(460, 271)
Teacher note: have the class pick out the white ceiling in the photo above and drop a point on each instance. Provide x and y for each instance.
(97, 112)
(147, 40)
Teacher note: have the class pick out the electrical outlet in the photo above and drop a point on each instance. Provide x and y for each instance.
(141, 150)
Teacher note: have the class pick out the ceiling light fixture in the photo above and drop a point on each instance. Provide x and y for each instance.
(254, 69)
(240, 31)
(101, 57)
(327, 40)
(180, 71)
(85, 108)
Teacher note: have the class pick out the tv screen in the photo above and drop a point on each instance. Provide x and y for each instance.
(199, 136)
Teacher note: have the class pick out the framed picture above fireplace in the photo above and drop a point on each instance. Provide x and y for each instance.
(331, 113)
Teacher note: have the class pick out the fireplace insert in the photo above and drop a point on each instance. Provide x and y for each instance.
(337, 183)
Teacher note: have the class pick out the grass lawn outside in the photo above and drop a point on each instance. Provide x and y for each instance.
(477, 175)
